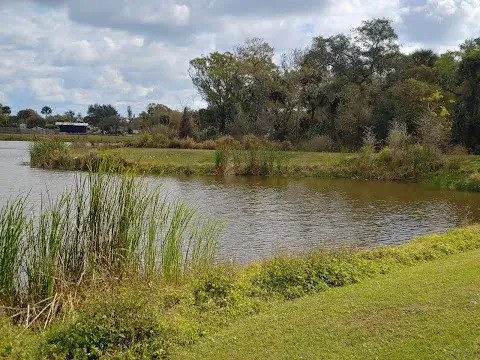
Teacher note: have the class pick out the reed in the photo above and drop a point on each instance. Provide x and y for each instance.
(43, 152)
(107, 226)
(12, 226)
(264, 161)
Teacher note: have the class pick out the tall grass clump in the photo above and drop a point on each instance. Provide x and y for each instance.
(43, 152)
(255, 161)
(105, 228)
(402, 158)
(12, 226)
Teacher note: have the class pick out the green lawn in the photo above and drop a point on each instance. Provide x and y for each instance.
(159, 157)
(192, 157)
(430, 311)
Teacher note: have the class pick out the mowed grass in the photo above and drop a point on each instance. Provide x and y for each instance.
(464, 163)
(430, 311)
(158, 157)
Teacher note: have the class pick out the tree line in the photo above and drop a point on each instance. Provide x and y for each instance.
(341, 86)
(328, 94)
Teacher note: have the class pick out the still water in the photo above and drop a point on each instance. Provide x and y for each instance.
(265, 216)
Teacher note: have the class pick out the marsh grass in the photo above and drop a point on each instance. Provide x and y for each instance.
(43, 152)
(264, 161)
(12, 226)
(106, 227)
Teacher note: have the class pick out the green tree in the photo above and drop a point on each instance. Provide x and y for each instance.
(466, 127)
(257, 72)
(186, 126)
(46, 111)
(378, 45)
(217, 79)
(424, 57)
(5, 120)
(111, 124)
(96, 113)
(5, 110)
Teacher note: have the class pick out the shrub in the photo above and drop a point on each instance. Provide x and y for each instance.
(117, 322)
(289, 277)
(321, 143)
(215, 288)
(228, 142)
(145, 140)
(433, 131)
(159, 140)
(369, 138)
(458, 150)
(251, 142)
(398, 137)
(475, 177)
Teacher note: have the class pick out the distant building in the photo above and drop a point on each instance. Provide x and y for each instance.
(72, 128)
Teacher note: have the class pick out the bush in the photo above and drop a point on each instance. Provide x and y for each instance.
(251, 142)
(433, 131)
(145, 140)
(458, 150)
(321, 143)
(215, 288)
(111, 322)
(228, 142)
(398, 137)
(289, 277)
(159, 140)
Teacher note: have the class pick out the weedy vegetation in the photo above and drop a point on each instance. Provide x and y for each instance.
(107, 227)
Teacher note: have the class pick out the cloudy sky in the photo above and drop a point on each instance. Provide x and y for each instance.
(71, 53)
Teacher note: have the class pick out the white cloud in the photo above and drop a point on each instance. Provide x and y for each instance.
(68, 54)
(48, 89)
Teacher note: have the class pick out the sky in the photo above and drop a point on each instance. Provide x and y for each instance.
(68, 54)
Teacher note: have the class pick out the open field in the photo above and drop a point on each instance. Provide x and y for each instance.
(431, 311)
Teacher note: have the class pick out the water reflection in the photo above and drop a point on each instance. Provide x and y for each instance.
(267, 215)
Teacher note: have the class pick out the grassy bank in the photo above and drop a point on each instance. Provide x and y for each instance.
(418, 164)
(134, 318)
(427, 312)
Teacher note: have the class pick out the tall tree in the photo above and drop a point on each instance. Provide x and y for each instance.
(378, 44)
(186, 126)
(257, 73)
(424, 57)
(217, 79)
(6, 110)
(46, 111)
(467, 117)
(97, 113)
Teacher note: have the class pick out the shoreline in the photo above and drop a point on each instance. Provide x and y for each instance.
(130, 318)
(457, 172)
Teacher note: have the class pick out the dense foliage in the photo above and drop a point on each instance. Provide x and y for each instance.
(340, 86)
(321, 98)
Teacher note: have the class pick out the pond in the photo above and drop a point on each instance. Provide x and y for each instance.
(267, 215)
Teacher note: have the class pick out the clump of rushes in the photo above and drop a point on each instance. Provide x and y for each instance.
(42, 153)
(265, 161)
(107, 227)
